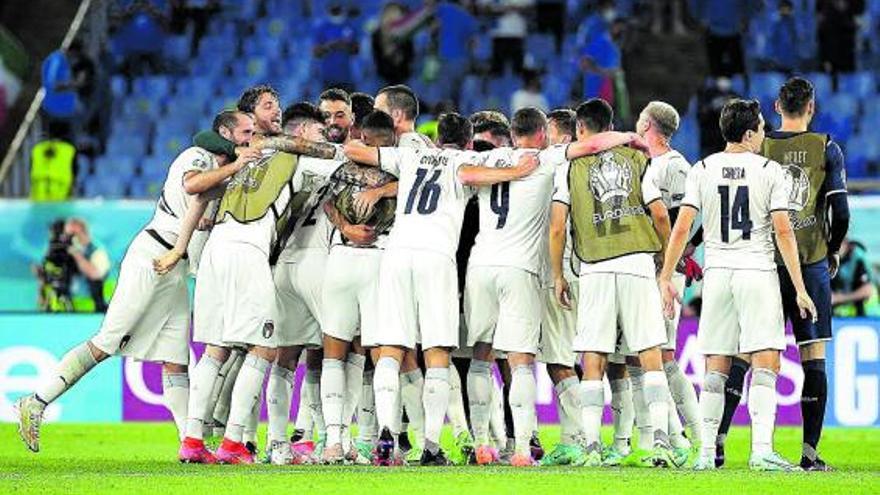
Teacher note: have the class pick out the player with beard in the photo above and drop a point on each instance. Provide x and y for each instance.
(335, 106)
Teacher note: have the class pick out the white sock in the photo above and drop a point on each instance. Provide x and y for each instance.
(221, 410)
(455, 411)
(208, 418)
(279, 395)
(592, 394)
(253, 420)
(762, 409)
(436, 402)
(412, 385)
(245, 395)
(354, 386)
(657, 399)
(386, 386)
(311, 392)
(685, 397)
(569, 408)
(523, 394)
(303, 419)
(366, 416)
(73, 365)
(496, 420)
(623, 412)
(677, 438)
(711, 410)
(480, 387)
(175, 394)
(640, 408)
(202, 383)
(332, 398)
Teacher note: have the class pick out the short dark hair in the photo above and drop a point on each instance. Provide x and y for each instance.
(401, 97)
(737, 117)
(528, 121)
(378, 121)
(335, 94)
(453, 128)
(564, 119)
(227, 119)
(595, 114)
(493, 122)
(794, 96)
(248, 100)
(300, 112)
(361, 106)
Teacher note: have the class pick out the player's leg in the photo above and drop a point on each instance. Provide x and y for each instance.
(481, 315)
(763, 336)
(333, 389)
(596, 338)
(279, 395)
(245, 396)
(733, 392)
(641, 413)
(175, 394)
(217, 410)
(457, 415)
(718, 340)
(622, 409)
(355, 362)
(683, 392)
(366, 411)
(311, 396)
(412, 387)
(435, 402)
(303, 426)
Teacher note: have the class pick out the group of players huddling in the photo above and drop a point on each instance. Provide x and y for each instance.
(335, 230)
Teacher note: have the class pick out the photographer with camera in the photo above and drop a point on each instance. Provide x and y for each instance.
(56, 271)
(92, 260)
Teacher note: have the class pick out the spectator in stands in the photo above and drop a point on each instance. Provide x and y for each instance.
(600, 62)
(836, 28)
(551, 19)
(59, 102)
(53, 164)
(393, 50)
(140, 37)
(92, 260)
(853, 285)
(335, 44)
(725, 20)
(83, 81)
(783, 52)
(710, 101)
(530, 95)
(509, 34)
(196, 13)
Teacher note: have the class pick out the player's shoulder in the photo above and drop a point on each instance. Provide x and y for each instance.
(414, 140)
(194, 157)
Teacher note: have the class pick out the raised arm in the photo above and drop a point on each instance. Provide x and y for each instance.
(359, 152)
(787, 244)
(603, 141)
(295, 146)
(195, 182)
(477, 175)
(558, 223)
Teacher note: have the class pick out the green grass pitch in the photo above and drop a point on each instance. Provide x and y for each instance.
(140, 458)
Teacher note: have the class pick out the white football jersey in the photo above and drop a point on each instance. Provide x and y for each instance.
(736, 193)
(430, 198)
(514, 216)
(670, 175)
(174, 201)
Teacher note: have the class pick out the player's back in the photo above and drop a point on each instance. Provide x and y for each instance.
(736, 193)
(430, 198)
(514, 216)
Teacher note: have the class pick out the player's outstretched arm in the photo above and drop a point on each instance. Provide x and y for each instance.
(360, 234)
(199, 182)
(674, 249)
(295, 146)
(558, 222)
(787, 244)
(478, 176)
(359, 152)
(603, 141)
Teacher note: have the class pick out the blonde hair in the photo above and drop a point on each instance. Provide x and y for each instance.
(664, 115)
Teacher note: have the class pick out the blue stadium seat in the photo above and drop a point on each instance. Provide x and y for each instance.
(842, 106)
(687, 139)
(861, 150)
(177, 49)
(141, 107)
(170, 143)
(763, 85)
(120, 166)
(119, 86)
(110, 187)
(126, 144)
(152, 87)
(823, 85)
(858, 84)
(738, 84)
(217, 45)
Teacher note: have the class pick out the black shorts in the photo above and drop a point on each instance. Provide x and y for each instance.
(818, 283)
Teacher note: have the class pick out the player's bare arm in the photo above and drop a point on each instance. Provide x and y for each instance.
(558, 222)
(365, 200)
(604, 141)
(660, 217)
(296, 146)
(198, 182)
(478, 176)
(787, 244)
(191, 221)
(674, 249)
(360, 234)
(359, 152)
